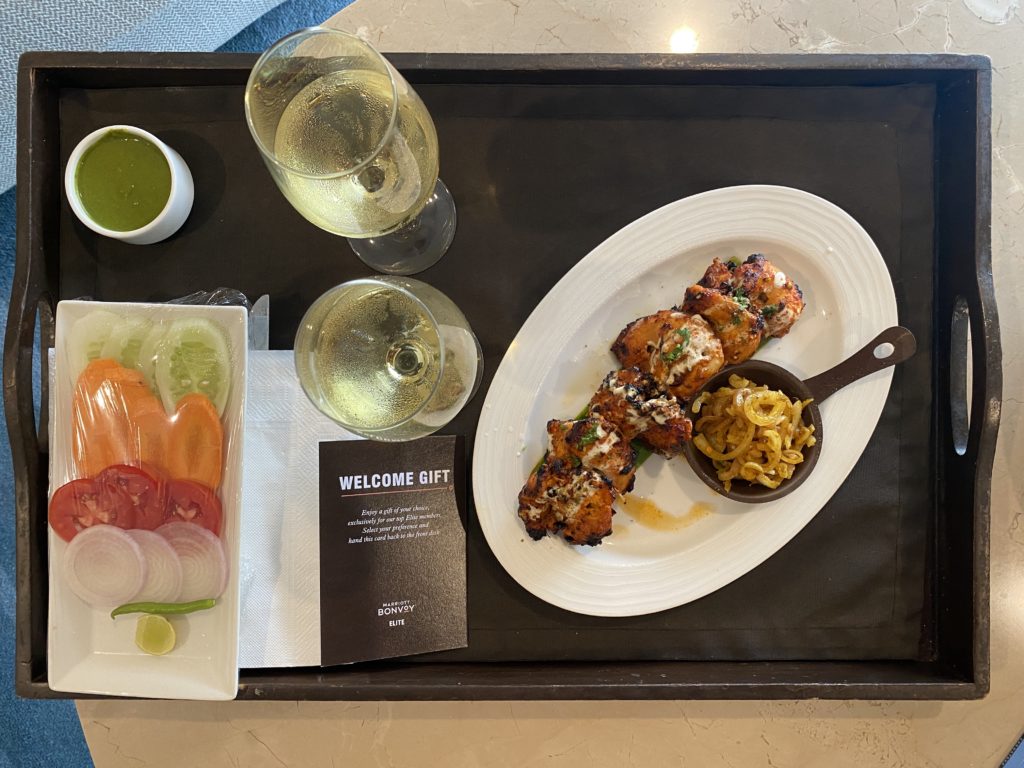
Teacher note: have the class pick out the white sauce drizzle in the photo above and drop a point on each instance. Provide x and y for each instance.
(695, 352)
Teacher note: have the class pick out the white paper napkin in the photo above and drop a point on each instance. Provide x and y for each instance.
(280, 568)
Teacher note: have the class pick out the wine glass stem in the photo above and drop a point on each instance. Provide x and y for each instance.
(416, 246)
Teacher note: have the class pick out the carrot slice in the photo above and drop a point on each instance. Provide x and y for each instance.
(153, 430)
(110, 403)
(150, 424)
(116, 419)
(196, 442)
(100, 433)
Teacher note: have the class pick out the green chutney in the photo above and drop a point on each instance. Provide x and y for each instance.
(123, 181)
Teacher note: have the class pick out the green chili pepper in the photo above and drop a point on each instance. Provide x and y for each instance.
(164, 608)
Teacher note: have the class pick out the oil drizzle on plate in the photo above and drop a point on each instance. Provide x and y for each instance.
(648, 514)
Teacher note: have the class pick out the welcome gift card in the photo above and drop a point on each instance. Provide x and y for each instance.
(392, 548)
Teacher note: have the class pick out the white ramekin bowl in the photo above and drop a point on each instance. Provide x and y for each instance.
(175, 211)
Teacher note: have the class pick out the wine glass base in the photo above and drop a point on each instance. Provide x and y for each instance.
(418, 245)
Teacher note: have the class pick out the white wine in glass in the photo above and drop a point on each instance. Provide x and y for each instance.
(352, 147)
(387, 358)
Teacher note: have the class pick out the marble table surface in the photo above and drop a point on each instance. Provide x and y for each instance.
(836, 734)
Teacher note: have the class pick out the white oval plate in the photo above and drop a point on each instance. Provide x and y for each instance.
(560, 355)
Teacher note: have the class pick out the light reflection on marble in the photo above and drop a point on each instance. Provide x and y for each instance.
(829, 734)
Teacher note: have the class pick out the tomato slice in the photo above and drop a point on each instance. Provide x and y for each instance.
(139, 489)
(193, 502)
(83, 503)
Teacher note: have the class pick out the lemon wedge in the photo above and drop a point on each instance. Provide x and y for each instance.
(154, 634)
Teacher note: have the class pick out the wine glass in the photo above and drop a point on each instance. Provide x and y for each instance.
(388, 358)
(352, 147)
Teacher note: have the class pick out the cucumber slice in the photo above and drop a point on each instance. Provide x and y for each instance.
(193, 357)
(149, 351)
(125, 341)
(88, 337)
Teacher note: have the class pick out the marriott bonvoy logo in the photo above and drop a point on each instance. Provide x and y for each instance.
(395, 608)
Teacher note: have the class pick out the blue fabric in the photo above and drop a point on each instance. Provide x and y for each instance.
(285, 18)
(1016, 758)
(109, 25)
(32, 733)
(48, 733)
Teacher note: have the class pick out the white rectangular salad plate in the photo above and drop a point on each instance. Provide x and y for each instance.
(87, 651)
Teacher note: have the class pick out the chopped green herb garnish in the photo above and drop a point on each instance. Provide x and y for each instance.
(772, 309)
(677, 351)
(674, 354)
(740, 297)
(736, 318)
(590, 436)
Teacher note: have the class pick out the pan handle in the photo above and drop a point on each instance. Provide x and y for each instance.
(891, 346)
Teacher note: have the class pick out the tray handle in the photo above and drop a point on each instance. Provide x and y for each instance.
(975, 377)
(30, 310)
(30, 316)
(960, 374)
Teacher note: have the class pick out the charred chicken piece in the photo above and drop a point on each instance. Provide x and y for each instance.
(575, 502)
(718, 277)
(739, 329)
(621, 399)
(594, 443)
(638, 341)
(688, 354)
(678, 349)
(770, 292)
(629, 399)
(669, 428)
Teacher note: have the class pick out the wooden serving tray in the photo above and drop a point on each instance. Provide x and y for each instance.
(883, 595)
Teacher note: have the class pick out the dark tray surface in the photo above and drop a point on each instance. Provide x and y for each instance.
(535, 193)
